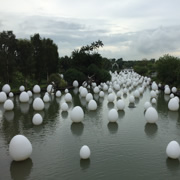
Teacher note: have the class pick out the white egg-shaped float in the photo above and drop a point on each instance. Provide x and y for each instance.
(64, 106)
(173, 150)
(105, 87)
(11, 94)
(113, 115)
(120, 104)
(6, 88)
(50, 88)
(29, 93)
(75, 83)
(154, 101)
(89, 96)
(3, 97)
(173, 105)
(77, 114)
(8, 105)
(68, 97)
(66, 90)
(92, 105)
(171, 95)
(83, 92)
(154, 86)
(151, 115)
(36, 89)
(110, 90)
(153, 94)
(101, 94)
(20, 148)
(147, 104)
(58, 93)
(46, 98)
(24, 97)
(37, 119)
(131, 99)
(174, 89)
(38, 104)
(111, 97)
(21, 88)
(167, 90)
(136, 94)
(84, 152)
(96, 90)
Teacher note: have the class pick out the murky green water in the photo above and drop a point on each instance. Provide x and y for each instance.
(128, 149)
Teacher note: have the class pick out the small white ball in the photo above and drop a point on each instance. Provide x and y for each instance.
(38, 104)
(6, 88)
(84, 152)
(3, 97)
(68, 97)
(131, 99)
(120, 104)
(92, 105)
(173, 150)
(11, 94)
(77, 114)
(29, 93)
(83, 92)
(89, 97)
(113, 115)
(151, 115)
(75, 83)
(167, 90)
(20, 148)
(111, 97)
(174, 89)
(101, 94)
(8, 105)
(24, 97)
(136, 94)
(154, 101)
(153, 94)
(36, 89)
(22, 88)
(37, 119)
(64, 106)
(96, 90)
(66, 90)
(58, 93)
(46, 98)
(173, 104)
(147, 104)
(119, 94)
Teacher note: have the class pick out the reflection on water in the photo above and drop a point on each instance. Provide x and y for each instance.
(21, 170)
(172, 164)
(9, 115)
(85, 163)
(121, 114)
(24, 107)
(173, 115)
(96, 97)
(151, 129)
(77, 128)
(131, 105)
(110, 105)
(46, 105)
(113, 127)
(64, 114)
(166, 97)
(36, 96)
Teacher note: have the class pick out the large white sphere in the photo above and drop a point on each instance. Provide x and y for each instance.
(38, 104)
(37, 119)
(64, 106)
(120, 104)
(77, 114)
(20, 148)
(68, 97)
(151, 115)
(6, 88)
(173, 150)
(131, 99)
(24, 97)
(46, 98)
(8, 105)
(58, 93)
(3, 97)
(22, 88)
(111, 97)
(96, 90)
(84, 152)
(147, 104)
(92, 105)
(36, 89)
(89, 96)
(173, 105)
(113, 115)
(101, 94)
(83, 92)
(75, 83)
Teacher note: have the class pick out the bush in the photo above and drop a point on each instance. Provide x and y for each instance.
(73, 74)
(104, 76)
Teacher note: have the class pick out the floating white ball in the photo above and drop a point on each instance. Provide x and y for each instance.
(111, 97)
(46, 98)
(173, 104)
(6, 88)
(36, 89)
(77, 114)
(37, 119)
(96, 90)
(20, 148)
(75, 83)
(131, 99)
(11, 94)
(113, 115)
(147, 104)
(92, 105)
(89, 97)
(3, 97)
(173, 150)
(84, 152)
(68, 97)
(151, 115)
(64, 106)
(38, 104)
(24, 97)
(101, 94)
(58, 93)
(8, 105)
(154, 101)
(22, 88)
(120, 104)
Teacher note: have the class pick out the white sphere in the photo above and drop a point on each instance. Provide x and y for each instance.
(119, 94)
(68, 97)
(154, 86)
(38, 104)
(20, 148)
(75, 83)
(153, 94)
(6, 88)
(96, 90)
(50, 88)
(3, 97)
(64, 106)
(105, 87)
(92, 105)
(46, 98)
(58, 93)
(120, 104)
(177, 98)
(24, 97)
(154, 101)
(125, 91)
(89, 96)
(83, 92)
(171, 95)
(101, 94)
(11, 94)
(77, 114)
(174, 89)
(66, 90)
(22, 88)
(111, 97)
(36, 89)
(147, 104)
(173, 150)
(113, 115)
(173, 104)
(37, 119)
(131, 99)
(29, 93)
(110, 90)
(151, 115)
(167, 90)
(8, 105)
(136, 94)
(84, 152)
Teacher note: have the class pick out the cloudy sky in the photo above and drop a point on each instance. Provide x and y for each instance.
(131, 29)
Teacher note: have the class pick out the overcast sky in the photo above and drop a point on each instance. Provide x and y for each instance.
(131, 29)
